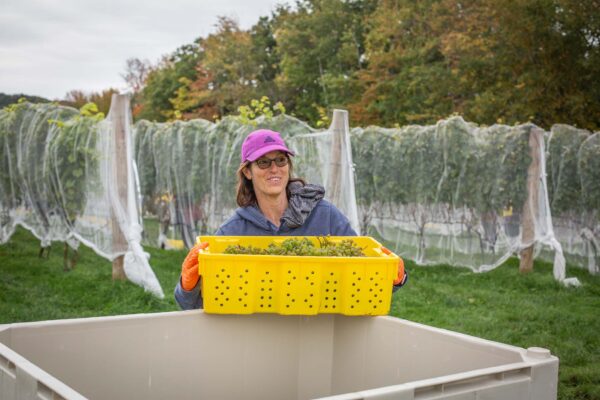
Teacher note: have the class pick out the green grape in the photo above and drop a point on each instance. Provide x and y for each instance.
(302, 247)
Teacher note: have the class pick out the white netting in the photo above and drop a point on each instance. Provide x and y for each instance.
(456, 193)
(70, 178)
(452, 193)
(573, 167)
(187, 171)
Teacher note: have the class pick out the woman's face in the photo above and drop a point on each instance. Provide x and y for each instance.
(270, 181)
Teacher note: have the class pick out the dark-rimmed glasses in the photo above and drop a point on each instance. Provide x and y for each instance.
(265, 162)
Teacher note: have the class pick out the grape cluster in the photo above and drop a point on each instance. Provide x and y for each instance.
(302, 247)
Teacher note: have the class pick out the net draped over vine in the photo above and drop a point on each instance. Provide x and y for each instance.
(58, 180)
(188, 170)
(453, 193)
(573, 175)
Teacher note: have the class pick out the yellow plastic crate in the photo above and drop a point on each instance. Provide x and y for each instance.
(246, 284)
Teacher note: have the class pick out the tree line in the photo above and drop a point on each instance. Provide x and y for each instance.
(390, 63)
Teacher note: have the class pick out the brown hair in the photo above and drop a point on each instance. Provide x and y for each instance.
(245, 195)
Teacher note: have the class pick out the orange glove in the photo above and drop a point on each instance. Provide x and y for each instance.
(401, 275)
(189, 268)
(400, 278)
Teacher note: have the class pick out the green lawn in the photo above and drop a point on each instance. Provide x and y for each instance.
(502, 305)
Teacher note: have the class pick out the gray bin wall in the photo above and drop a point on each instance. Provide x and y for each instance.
(192, 355)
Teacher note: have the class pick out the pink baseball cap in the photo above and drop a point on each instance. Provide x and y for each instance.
(261, 142)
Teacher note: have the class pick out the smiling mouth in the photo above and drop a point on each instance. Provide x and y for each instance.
(274, 179)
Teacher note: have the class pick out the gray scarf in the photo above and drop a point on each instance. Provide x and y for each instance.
(302, 200)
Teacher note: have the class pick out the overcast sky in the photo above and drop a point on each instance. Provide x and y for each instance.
(49, 47)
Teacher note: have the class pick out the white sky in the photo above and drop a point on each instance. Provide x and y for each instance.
(49, 47)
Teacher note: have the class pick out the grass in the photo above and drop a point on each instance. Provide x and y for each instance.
(501, 305)
(33, 288)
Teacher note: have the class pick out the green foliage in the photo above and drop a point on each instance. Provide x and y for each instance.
(446, 163)
(323, 121)
(507, 158)
(589, 172)
(48, 153)
(423, 175)
(259, 108)
(163, 82)
(564, 183)
(75, 163)
(302, 247)
(91, 110)
(321, 45)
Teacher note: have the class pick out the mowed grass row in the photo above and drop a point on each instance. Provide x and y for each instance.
(501, 305)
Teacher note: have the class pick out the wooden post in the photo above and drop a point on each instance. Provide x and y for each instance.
(530, 208)
(119, 105)
(334, 181)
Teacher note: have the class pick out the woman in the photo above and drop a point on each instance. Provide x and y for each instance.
(271, 203)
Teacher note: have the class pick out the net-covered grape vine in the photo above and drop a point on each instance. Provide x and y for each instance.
(302, 247)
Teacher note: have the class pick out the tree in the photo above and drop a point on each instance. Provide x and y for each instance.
(228, 61)
(321, 46)
(78, 99)
(508, 61)
(547, 54)
(136, 73)
(266, 56)
(163, 82)
(7, 99)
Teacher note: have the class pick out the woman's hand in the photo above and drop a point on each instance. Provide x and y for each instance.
(402, 276)
(189, 269)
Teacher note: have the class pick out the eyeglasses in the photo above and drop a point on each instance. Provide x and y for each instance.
(265, 162)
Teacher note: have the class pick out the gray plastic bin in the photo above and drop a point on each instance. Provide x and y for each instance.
(192, 355)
